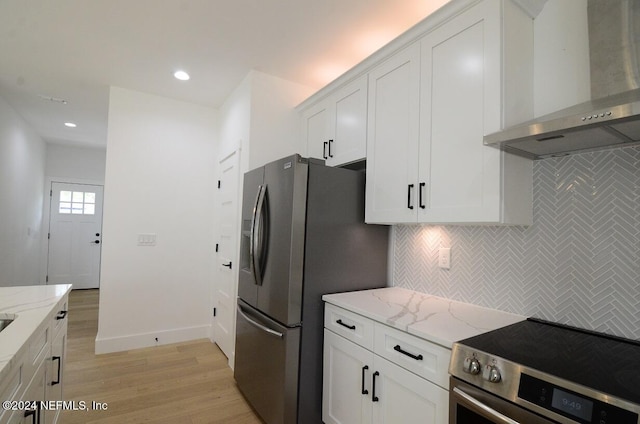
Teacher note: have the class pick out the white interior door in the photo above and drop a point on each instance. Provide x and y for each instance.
(75, 235)
(226, 272)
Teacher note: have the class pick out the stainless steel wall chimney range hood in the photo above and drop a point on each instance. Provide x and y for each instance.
(612, 117)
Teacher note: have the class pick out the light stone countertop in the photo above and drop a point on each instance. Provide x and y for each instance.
(436, 319)
(30, 307)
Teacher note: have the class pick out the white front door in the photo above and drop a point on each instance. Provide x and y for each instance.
(226, 270)
(75, 235)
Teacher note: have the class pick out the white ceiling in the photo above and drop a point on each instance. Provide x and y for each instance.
(75, 49)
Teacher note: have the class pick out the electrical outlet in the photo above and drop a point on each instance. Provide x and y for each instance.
(444, 257)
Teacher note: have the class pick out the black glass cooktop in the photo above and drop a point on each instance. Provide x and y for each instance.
(605, 363)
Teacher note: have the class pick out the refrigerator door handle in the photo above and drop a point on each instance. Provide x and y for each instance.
(258, 325)
(257, 240)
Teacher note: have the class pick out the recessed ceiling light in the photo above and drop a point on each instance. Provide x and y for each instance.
(70, 124)
(181, 75)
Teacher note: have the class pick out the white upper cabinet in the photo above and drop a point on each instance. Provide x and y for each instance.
(430, 105)
(460, 101)
(392, 142)
(335, 128)
(315, 127)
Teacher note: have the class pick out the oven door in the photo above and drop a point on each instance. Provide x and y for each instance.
(470, 405)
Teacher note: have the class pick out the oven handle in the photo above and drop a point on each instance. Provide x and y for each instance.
(483, 409)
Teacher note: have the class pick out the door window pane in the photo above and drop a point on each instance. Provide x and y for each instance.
(77, 203)
(78, 196)
(76, 208)
(65, 196)
(65, 207)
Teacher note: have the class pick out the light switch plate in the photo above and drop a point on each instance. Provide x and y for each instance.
(146, 239)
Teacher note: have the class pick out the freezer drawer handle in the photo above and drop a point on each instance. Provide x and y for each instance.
(350, 327)
(364, 391)
(397, 348)
(258, 325)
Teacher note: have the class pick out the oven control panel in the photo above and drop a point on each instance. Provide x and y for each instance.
(489, 372)
(546, 395)
(570, 404)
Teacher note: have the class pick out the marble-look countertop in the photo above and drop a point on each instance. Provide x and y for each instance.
(439, 320)
(30, 307)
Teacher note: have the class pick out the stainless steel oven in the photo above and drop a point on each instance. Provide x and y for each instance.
(537, 372)
(470, 405)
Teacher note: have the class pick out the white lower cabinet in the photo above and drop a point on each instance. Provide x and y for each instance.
(347, 369)
(361, 386)
(55, 373)
(38, 374)
(403, 397)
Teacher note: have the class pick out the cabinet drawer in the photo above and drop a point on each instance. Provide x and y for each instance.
(40, 345)
(417, 355)
(351, 326)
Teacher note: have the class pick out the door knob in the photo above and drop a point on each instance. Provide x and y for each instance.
(97, 234)
(227, 265)
(96, 242)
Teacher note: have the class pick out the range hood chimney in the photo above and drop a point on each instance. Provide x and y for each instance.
(612, 117)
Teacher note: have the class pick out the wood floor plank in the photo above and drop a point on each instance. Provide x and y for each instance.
(188, 383)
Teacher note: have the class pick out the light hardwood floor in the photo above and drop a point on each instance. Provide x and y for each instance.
(187, 383)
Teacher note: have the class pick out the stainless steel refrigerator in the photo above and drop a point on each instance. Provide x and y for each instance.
(303, 235)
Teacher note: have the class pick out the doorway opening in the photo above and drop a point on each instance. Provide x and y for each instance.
(75, 234)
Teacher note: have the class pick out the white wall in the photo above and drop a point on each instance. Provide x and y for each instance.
(235, 121)
(22, 164)
(275, 130)
(160, 178)
(260, 117)
(75, 163)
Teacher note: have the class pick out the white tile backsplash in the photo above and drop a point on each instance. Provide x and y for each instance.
(579, 263)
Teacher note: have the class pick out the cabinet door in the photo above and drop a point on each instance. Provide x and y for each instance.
(392, 138)
(348, 122)
(315, 123)
(403, 397)
(35, 391)
(347, 369)
(460, 102)
(55, 374)
(22, 417)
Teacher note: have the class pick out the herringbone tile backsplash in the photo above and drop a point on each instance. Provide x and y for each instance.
(579, 263)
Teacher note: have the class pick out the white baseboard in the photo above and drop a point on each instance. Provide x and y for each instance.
(137, 341)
